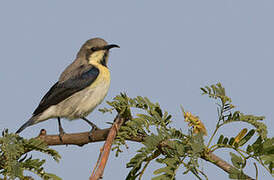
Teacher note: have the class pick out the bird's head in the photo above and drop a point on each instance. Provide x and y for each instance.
(96, 50)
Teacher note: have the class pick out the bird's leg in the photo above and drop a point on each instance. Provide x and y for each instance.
(94, 127)
(61, 130)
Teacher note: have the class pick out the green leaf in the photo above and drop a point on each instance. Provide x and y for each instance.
(166, 170)
(204, 90)
(13, 149)
(225, 141)
(220, 140)
(249, 149)
(257, 146)
(236, 174)
(261, 128)
(161, 177)
(268, 146)
(197, 143)
(236, 160)
(231, 141)
(217, 92)
(247, 137)
(51, 176)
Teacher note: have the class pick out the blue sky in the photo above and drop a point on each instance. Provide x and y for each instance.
(169, 49)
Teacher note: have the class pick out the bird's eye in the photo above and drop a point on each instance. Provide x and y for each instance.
(94, 49)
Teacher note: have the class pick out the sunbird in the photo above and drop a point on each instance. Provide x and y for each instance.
(81, 87)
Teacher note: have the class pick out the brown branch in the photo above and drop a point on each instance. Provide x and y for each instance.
(98, 173)
(98, 135)
(219, 162)
(98, 160)
(81, 138)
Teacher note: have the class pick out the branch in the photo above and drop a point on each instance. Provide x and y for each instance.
(81, 138)
(216, 160)
(98, 135)
(103, 157)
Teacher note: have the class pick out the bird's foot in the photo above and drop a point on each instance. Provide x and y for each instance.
(94, 128)
(61, 134)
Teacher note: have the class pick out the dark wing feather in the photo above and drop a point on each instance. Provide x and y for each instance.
(61, 91)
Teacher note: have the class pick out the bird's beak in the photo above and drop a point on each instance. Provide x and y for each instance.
(108, 47)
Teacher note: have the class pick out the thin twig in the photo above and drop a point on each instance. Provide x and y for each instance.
(143, 170)
(149, 159)
(256, 168)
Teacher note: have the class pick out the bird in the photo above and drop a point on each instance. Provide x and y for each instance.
(81, 87)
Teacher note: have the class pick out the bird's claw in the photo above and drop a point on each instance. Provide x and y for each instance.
(94, 128)
(61, 134)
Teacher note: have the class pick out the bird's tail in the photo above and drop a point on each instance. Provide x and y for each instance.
(30, 122)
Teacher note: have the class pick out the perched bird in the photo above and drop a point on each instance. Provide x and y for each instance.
(81, 87)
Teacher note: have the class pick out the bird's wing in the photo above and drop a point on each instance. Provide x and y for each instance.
(60, 91)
